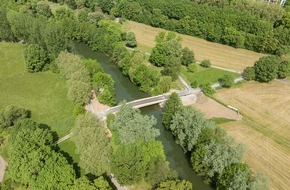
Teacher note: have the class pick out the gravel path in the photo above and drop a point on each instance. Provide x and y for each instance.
(3, 165)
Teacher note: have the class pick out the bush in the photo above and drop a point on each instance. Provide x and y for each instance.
(11, 114)
(131, 40)
(207, 89)
(284, 69)
(192, 68)
(194, 84)
(35, 58)
(205, 63)
(227, 81)
(249, 73)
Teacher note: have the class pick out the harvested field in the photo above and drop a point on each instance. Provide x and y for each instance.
(265, 130)
(213, 109)
(262, 154)
(219, 55)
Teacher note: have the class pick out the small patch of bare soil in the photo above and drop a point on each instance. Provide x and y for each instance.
(213, 109)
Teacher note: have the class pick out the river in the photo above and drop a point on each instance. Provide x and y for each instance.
(126, 90)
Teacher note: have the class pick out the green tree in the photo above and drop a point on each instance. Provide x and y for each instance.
(93, 66)
(131, 125)
(186, 125)
(43, 8)
(56, 173)
(227, 80)
(163, 85)
(131, 40)
(207, 89)
(158, 170)
(171, 107)
(130, 161)
(192, 68)
(35, 58)
(5, 29)
(102, 184)
(28, 150)
(205, 63)
(235, 176)
(79, 92)
(83, 183)
(249, 73)
(284, 69)
(204, 156)
(92, 144)
(11, 114)
(172, 67)
(266, 68)
(175, 185)
(187, 57)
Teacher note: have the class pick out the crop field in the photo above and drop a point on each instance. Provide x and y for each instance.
(265, 127)
(205, 75)
(219, 55)
(43, 93)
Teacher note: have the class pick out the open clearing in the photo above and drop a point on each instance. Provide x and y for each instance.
(265, 130)
(213, 109)
(43, 93)
(205, 75)
(218, 54)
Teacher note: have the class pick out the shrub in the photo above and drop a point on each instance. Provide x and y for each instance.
(131, 40)
(192, 68)
(207, 89)
(35, 58)
(205, 63)
(249, 73)
(227, 81)
(194, 84)
(284, 69)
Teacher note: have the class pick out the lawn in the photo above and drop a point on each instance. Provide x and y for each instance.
(43, 93)
(204, 75)
(265, 127)
(218, 54)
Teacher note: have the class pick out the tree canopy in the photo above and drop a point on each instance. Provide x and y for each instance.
(131, 125)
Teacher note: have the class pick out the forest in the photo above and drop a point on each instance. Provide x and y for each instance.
(239, 23)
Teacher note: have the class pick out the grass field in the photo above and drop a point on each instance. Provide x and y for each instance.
(43, 93)
(265, 128)
(205, 75)
(219, 55)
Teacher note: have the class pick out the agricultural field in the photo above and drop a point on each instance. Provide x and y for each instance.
(204, 75)
(43, 93)
(219, 55)
(265, 127)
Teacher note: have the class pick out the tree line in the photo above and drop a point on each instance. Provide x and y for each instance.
(137, 156)
(35, 161)
(223, 24)
(213, 154)
(95, 29)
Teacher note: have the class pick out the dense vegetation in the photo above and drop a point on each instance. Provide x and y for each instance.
(214, 155)
(239, 23)
(268, 68)
(35, 161)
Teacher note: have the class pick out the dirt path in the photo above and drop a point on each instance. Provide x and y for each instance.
(3, 165)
